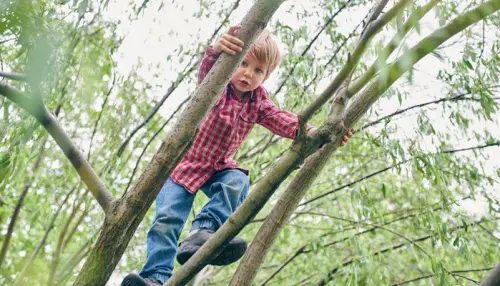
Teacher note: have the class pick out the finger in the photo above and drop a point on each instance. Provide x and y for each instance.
(228, 50)
(342, 143)
(233, 30)
(352, 130)
(235, 41)
(349, 134)
(346, 138)
(230, 45)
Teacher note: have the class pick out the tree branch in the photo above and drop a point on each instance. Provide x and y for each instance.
(372, 29)
(413, 20)
(151, 140)
(103, 106)
(493, 144)
(432, 275)
(387, 249)
(455, 98)
(304, 52)
(14, 76)
(17, 209)
(20, 276)
(36, 108)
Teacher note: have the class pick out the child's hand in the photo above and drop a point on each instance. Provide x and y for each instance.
(346, 137)
(228, 43)
(344, 140)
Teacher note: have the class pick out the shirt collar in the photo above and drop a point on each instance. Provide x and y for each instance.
(252, 94)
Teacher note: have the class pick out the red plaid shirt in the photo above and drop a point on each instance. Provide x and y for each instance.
(226, 126)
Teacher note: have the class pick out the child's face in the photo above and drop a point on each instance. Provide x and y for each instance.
(249, 75)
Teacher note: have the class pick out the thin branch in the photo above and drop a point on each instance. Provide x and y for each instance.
(155, 109)
(432, 275)
(490, 233)
(387, 249)
(17, 209)
(35, 106)
(372, 29)
(304, 250)
(493, 144)
(304, 52)
(41, 244)
(103, 106)
(58, 248)
(151, 140)
(83, 215)
(455, 98)
(73, 261)
(413, 20)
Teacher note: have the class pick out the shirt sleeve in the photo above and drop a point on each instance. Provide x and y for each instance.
(280, 122)
(206, 63)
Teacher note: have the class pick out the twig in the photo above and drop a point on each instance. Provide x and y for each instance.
(432, 275)
(17, 210)
(492, 144)
(304, 52)
(453, 99)
(151, 140)
(103, 106)
(372, 29)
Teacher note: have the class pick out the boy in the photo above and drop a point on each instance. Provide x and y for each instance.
(208, 165)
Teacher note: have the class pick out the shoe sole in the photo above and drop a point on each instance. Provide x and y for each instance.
(230, 254)
(133, 280)
(185, 254)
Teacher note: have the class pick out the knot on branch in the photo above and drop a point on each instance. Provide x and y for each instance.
(302, 129)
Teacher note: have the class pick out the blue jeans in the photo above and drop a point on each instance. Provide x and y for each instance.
(226, 190)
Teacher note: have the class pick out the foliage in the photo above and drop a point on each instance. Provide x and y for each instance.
(422, 184)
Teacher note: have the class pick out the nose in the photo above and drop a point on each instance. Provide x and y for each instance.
(248, 72)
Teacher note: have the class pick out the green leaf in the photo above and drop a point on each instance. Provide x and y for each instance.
(468, 64)
(5, 166)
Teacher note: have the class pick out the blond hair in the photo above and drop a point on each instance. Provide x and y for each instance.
(266, 51)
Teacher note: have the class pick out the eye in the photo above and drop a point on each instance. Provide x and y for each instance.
(259, 70)
(244, 63)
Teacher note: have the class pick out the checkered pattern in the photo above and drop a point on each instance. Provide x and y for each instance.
(225, 128)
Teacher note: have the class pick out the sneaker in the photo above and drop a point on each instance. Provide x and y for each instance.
(231, 253)
(136, 280)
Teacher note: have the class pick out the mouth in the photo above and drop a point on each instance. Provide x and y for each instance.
(244, 82)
